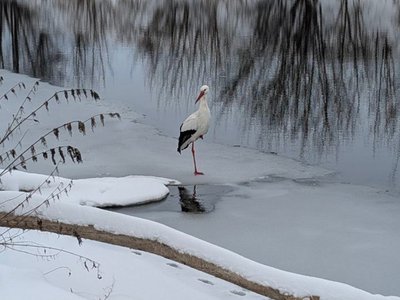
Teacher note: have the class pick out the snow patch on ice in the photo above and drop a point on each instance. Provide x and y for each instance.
(99, 192)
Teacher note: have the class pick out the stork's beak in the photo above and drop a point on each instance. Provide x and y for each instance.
(200, 95)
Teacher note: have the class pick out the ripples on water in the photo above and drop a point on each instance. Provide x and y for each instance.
(314, 80)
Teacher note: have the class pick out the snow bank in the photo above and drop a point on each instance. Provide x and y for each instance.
(128, 275)
(286, 282)
(29, 283)
(105, 192)
(99, 192)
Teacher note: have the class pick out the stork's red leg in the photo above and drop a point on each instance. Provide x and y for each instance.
(194, 161)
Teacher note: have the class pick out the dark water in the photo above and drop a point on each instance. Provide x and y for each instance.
(313, 80)
(197, 199)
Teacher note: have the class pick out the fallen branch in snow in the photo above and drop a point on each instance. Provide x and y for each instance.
(152, 246)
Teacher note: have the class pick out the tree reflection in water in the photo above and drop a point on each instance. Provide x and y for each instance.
(308, 73)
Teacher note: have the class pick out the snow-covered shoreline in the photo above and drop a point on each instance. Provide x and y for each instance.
(285, 282)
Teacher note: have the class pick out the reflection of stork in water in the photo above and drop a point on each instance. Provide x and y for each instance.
(189, 202)
(195, 126)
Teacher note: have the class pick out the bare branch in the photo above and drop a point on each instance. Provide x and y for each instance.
(45, 104)
(55, 131)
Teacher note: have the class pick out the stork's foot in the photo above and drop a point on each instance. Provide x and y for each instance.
(198, 173)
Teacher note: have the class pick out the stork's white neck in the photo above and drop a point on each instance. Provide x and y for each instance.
(203, 103)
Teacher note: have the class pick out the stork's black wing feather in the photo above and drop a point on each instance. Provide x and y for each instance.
(183, 137)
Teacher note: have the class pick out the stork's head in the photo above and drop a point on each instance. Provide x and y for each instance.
(203, 91)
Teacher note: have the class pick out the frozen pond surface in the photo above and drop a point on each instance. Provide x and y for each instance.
(267, 207)
(329, 97)
(312, 80)
(335, 231)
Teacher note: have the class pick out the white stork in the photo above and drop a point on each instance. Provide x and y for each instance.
(195, 126)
